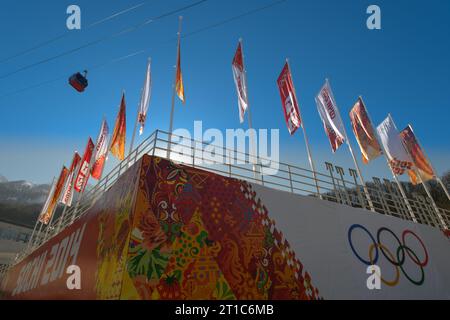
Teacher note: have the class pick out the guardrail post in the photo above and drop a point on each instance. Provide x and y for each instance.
(422, 209)
(353, 173)
(340, 170)
(330, 168)
(394, 197)
(290, 178)
(377, 183)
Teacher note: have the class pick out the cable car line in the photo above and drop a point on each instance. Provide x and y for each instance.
(65, 34)
(111, 36)
(142, 51)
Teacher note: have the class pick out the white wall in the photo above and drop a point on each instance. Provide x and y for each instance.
(318, 233)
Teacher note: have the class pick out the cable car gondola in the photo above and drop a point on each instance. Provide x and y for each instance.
(79, 81)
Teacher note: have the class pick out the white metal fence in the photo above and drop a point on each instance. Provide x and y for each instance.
(334, 184)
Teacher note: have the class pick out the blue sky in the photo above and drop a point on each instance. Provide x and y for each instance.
(402, 69)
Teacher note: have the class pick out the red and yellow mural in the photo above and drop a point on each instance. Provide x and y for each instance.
(167, 231)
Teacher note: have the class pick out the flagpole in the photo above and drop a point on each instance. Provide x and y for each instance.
(435, 207)
(135, 127)
(308, 150)
(434, 171)
(249, 116)
(400, 187)
(361, 179)
(180, 20)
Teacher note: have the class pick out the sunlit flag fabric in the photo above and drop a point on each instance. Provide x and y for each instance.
(399, 160)
(101, 151)
(47, 202)
(423, 166)
(332, 122)
(364, 132)
(145, 98)
(117, 147)
(67, 195)
(179, 86)
(240, 81)
(83, 173)
(289, 99)
(47, 214)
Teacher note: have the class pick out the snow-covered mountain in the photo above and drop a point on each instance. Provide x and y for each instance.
(24, 192)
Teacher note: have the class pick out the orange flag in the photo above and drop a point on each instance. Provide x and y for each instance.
(46, 216)
(179, 81)
(117, 147)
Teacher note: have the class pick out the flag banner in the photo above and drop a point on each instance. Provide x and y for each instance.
(47, 201)
(289, 100)
(67, 195)
(364, 132)
(179, 86)
(423, 166)
(240, 81)
(47, 214)
(119, 134)
(145, 98)
(83, 172)
(399, 161)
(101, 150)
(332, 122)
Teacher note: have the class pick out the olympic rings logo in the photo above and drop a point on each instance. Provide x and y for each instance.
(398, 259)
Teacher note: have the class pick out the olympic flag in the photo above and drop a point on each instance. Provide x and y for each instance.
(145, 98)
(332, 122)
(101, 150)
(179, 85)
(399, 160)
(289, 100)
(364, 132)
(117, 147)
(240, 81)
(423, 166)
(83, 172)
(48, 213)
(67, 195)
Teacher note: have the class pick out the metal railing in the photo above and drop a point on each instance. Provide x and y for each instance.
(3, 273)
(332, 185)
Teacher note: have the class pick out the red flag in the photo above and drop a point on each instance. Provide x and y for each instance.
(289, 100)
(83, 172)
(101, 150)
(240, 81)
(67, 194)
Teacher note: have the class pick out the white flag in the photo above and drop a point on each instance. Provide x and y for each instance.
(399, 159)
(332, 122)
(240, 82)
(67, 195)
(145, 98)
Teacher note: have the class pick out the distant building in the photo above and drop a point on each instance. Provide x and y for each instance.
(13, 239)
